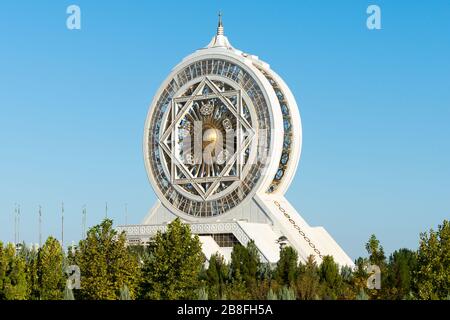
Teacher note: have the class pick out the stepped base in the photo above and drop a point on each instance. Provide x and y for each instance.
(269, 220)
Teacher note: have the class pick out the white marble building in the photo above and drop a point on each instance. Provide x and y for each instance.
(239, 196)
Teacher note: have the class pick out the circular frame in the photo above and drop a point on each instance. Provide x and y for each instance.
(252, 154)
(275, 125)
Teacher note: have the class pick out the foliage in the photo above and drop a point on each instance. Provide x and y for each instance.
(375, 251)
(402, 264)
(105, 264)
(202, 294)
(377, 258)
(263, 285)
(50, 270)
(287, 293)
(432, 279)
(217, 276)
(272, 295)
(330, 278)
(125, 293)
(30, 255)
(287, 268)
(308, 282)
(245, 263)
(360, 274)
(176, 261)
(348, 291)
(362, 295)
(13, 282)
(172, 267)
(237, 290)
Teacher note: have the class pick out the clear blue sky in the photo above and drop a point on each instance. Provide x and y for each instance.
(375, 107)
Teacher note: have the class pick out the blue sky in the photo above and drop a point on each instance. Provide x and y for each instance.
(375, 108)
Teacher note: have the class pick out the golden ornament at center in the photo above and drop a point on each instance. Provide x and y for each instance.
(210, 136)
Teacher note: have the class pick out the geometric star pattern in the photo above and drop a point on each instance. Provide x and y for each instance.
(220, 112)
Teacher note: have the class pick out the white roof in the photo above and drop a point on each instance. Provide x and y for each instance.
(265, 239)
(210, 247)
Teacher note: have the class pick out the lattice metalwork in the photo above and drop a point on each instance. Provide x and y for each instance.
(223, 96)
(288, 134)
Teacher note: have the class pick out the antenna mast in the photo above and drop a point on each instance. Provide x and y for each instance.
(62, 224)
(126, 213)
(40, 226)
(83, 223)
(15, 223)
(18, 224)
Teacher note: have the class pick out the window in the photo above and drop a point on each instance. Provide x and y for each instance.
(224, 240)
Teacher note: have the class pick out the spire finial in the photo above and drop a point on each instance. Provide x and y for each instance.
(219, 40)
(220, 25)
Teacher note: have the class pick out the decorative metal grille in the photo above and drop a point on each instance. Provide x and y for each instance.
(189, 195)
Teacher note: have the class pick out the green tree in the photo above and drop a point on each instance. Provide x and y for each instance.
(245, 264)
(362, 295)
(30, 256)
(360, 277)
(378, 258)
(287, 293)
(172, 271)
(238, 290)
(271, 295)
(13, 282)
(401, 266)
(375, 251)
(287, 266)
(125, 293)
(217, 276)
(105, 264)
(348, 291)
(330, 278)
(432, 279)
(50, 270)
(308, 282)
(202, 294)
(264, 282)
